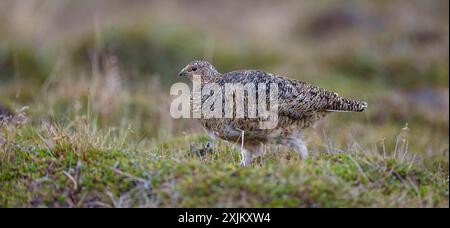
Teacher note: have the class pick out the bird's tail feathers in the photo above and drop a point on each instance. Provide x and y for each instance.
(347, 105)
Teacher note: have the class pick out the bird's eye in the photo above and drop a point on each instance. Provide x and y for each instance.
(194, 68)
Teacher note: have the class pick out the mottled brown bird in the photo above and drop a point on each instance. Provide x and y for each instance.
(299, 105)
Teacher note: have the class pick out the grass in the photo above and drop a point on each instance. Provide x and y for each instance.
(78, 165)
(97, 131)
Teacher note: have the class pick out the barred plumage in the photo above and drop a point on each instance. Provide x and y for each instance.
(348, 105)
(300, 105)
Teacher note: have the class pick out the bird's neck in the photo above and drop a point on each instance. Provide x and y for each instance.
(209, 78)
(213, 73)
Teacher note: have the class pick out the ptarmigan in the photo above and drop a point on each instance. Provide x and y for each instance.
(299, 105)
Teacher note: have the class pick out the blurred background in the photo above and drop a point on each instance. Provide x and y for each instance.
(116, 59)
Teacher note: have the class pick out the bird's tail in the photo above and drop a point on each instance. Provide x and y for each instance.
(347, 105)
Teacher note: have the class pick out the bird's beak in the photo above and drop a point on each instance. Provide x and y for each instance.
(182, 73)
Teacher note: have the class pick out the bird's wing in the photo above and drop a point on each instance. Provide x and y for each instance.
(300, 98)
(296, 99)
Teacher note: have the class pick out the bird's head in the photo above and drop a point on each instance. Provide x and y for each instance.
(199, 67)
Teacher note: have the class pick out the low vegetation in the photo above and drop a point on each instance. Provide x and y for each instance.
(84, 114)
(76, 164)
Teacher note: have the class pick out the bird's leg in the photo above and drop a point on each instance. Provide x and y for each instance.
(257, 150)
(246, 157)
(299, 146)
(249, 152)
